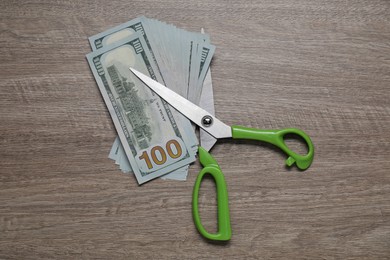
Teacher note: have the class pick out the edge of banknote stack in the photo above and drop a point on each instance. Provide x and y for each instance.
(153, 138)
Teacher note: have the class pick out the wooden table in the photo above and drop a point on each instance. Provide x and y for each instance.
(322, 66)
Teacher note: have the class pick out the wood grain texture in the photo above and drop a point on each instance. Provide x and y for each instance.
(322, 66)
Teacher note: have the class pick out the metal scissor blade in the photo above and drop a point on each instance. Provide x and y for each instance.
(194, 113)
(206, 102)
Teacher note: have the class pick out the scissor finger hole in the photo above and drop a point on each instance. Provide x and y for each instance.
(296, 143)
(207, 203)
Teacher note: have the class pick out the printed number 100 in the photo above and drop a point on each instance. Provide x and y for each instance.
(163, 155)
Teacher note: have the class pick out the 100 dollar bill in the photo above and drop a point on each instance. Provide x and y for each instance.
(115, 35)
(154, 142)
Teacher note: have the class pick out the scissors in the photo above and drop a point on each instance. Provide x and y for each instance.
(218, 129)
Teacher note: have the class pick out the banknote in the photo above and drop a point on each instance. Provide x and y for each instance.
(202, 64)
(151, 133)
(196, 53)
(107, 38)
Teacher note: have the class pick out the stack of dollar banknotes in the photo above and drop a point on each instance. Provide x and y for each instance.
(153, 138)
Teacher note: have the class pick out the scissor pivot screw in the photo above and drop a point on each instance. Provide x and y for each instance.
(207, 121)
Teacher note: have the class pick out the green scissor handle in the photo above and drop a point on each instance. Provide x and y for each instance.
(276, 137)
(211, 167)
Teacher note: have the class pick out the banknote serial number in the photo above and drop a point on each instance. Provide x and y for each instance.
(159, 155)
